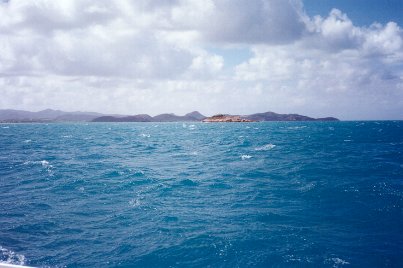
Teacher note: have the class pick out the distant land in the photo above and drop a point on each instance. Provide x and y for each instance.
(226, 118)
(50, 116)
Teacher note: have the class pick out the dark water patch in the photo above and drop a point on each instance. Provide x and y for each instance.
(171, 219)
(188, 182)
(220, 186)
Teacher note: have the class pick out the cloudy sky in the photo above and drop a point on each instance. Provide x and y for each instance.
(319, 58)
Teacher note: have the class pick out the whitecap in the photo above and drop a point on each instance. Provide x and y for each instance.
(67, 136)
(135, 202)
(145, 135)
(27, 141)
(294, 258)
(5, 127)
(44, 163)
(10, 257)
(299, 127)
(245, 156)
(307, 187)
(337, 262)
(265, 147)
(139, 173)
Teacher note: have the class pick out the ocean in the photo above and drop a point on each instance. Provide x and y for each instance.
(267, 194)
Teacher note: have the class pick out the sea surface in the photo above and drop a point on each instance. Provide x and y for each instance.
(270, 194)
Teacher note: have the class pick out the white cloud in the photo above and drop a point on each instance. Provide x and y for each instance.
(160, 39)
(87, 38)
(337, 68)
(155, 56)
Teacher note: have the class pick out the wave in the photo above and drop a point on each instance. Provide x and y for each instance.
(190, 127)
(299, 127)
(44, 163)
(246, 156)
(10, 257)
(265, 147)
(134, 202)
(337, 262)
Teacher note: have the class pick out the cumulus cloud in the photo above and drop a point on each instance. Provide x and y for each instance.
(155, 56)
(136, 39)
(349, 69)
(89, 38)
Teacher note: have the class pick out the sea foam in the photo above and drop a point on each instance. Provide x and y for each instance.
(265, 147)
(10, 257)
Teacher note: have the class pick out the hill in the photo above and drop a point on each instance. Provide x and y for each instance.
(49, 115)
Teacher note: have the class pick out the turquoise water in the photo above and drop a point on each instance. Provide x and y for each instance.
(273, 194)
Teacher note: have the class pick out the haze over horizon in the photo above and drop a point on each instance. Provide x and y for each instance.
(336, 58)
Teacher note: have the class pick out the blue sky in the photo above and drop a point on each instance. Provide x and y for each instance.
(319, 58)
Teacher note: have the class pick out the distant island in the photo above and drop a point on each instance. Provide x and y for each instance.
(225, 118)
(50, 116)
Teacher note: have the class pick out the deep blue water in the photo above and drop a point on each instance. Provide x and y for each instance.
(274, 194)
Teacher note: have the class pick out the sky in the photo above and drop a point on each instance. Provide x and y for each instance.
(338, 58)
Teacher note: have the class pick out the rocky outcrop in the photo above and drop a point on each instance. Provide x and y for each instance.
(225, 118)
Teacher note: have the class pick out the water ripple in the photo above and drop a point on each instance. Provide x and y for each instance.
(274, 194)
